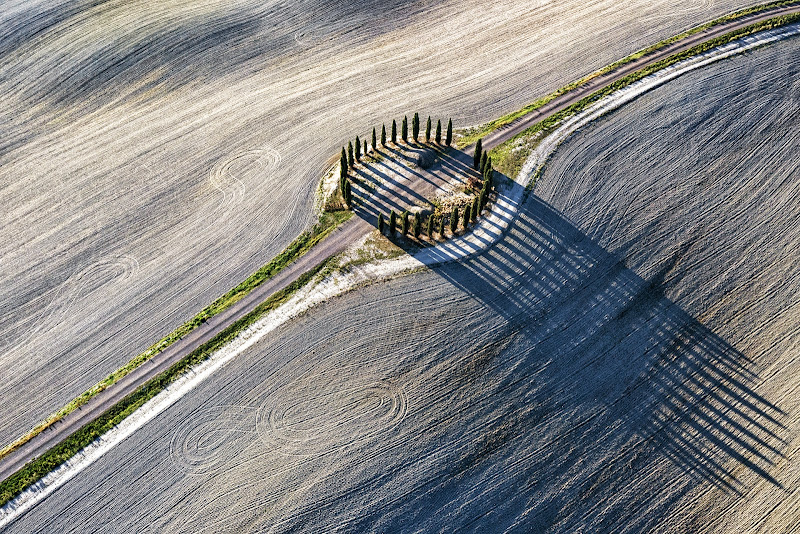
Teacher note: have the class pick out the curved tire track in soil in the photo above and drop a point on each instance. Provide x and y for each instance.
(113, 118)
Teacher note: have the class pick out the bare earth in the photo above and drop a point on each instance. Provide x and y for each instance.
(624, 360)
(155, 154)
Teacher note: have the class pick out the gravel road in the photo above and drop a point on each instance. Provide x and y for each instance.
(153, 158)
(624, 360)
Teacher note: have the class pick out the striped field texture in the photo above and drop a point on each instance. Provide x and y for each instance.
(624, 360)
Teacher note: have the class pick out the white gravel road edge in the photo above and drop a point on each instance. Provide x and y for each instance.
(485, 234)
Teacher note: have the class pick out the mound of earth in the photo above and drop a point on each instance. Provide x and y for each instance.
(424, 159)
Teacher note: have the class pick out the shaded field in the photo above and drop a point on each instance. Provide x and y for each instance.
(622, 360)
(152, 156)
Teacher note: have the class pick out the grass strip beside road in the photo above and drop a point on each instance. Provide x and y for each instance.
(52, 459)
(505, 159)
(302, 244)
(509, 157)
(471, 135)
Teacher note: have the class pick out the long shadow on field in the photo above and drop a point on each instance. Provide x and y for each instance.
(382, 189)
(614, 345)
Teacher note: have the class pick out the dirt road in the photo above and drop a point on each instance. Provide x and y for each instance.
(521, 124)
(337, 242)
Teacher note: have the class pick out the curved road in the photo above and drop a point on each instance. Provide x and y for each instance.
(332, 245)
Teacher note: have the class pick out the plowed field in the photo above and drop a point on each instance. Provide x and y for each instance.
(625, 359)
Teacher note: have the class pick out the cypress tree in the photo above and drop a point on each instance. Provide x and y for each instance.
(348, 194)
(441, 227)
(428, 130)
(439, 131)
(374, 139)
(484, 159)
(365, 147)
(467, 216)
(394, 132)
(476, 159)
(392, 223)
(430, 226)
(417, 225)
(404, 131)
(449, 137)
(405, 222)
(383, 136)
(350, 159)
(358, 149)
(342, 183)
(483, 198)
(476, 209)
(381, 224)
(454, 220)
(487, 167)
(344, 160)
(415, 126)
(343, 166)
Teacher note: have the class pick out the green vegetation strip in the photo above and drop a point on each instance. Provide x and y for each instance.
(473, 134)
(326, 224)
(35, 470)
(507, 161)
(510, 156)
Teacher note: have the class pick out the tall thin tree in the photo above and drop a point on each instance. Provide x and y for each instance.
(350, 159)
(428, 130)
(394, 132)
(365, 147)
(438, 131)
(381, 223)
(374, 139)
(484, 159)
(405, 222)
(441, 227)
(417, 225)
(467, 216)
(358, 149)
(476, 209)
(348, 195)
(449, 138)
(430, 226)
(476, 159)
(383, 136)
(392, 223)
(415, 126)
(404, 130)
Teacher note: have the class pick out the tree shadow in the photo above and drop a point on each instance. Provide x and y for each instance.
(663, 378)
(392, 180)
